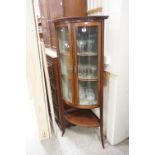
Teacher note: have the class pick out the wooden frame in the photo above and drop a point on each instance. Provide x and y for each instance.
(73, 62)
(70, 57)
(101, 87)
(75, 26)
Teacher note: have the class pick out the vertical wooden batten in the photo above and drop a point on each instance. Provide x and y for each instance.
(48, 90)
(35, 74)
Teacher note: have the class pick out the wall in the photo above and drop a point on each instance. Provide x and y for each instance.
(116, 93)
(116, 47)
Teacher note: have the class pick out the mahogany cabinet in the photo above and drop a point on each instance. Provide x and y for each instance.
(53, 9)
(80, 44)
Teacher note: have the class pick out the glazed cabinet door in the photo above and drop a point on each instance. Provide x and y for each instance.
(65, 63)
(87, 61)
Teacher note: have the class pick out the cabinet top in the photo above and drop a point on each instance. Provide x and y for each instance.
(79, 19)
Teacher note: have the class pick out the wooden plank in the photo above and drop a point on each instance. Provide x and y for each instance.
(49, 93)
(95, 10)
(35, 75)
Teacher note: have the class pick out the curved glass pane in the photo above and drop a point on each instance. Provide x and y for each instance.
(87, 59)
(88, 92)
(65, 63)
(87, 40)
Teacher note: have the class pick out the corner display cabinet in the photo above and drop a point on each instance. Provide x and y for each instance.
(80, 44)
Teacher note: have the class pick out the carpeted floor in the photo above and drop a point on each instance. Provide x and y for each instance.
(83, 141)
(76, 141)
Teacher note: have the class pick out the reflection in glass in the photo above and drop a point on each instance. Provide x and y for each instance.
(87, 51)
(87, 55)
(65, 63)
(66, 88)
(85, 71)
(63, 40)
(88, 92)
(87, 67)
(87, 39)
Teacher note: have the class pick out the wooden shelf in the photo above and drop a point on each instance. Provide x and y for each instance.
(87, 79)
(90, 101)
(78, 106)
(80, 78)
(83, 118)
(87, 54)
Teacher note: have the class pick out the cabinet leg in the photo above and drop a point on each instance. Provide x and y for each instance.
(102, 135)
(63, 128)
(63, 132)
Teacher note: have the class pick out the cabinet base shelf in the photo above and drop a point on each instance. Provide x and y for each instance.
(69, 103)
(83, 118)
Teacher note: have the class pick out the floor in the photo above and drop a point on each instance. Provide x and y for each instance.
(76, 141)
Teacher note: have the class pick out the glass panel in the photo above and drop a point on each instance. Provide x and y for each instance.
(88, 91)
(65, 64)
(87, 51)
(87, 40)
(63, 40)
(87, 67)
(87, 55)
(66, 88)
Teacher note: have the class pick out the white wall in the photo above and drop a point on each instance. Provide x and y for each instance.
(116, 46)
(116, 98)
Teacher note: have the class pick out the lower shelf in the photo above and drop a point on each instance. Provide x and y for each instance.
(83, 118)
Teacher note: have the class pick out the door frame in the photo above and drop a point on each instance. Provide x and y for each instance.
(74, 27)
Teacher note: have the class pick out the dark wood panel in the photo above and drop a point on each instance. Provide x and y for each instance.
(56, 91)
(53, 35)
(55, 8)
(46, 32)
(43, 4)
(64, 8)
(73, 8)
